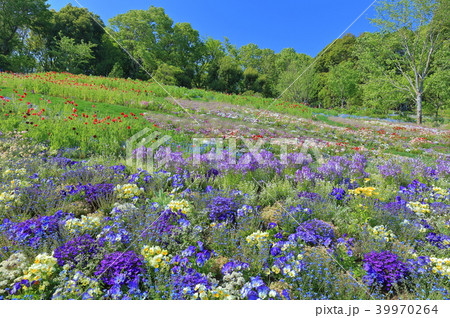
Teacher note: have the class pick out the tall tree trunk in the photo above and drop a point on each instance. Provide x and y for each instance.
(419, 108)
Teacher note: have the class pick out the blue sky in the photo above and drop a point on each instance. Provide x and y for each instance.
(307, 26)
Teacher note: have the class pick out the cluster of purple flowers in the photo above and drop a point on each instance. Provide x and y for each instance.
(133, 290)
(85, 174)
(443, 167)
(257, 289)
(19, 285)
(384, 269)
(222, 209)
(350, 183)
(348, 242)
(211, 174)
(390, 169)
(296, 158)
(420, 265)
(77, 251)
(275, 250)
(170, 159)
(184, 282)
(315, 232)
(338, 193)
(311, 196)
(200, 252)
(338, 167)
(61, 162)
(92, 193)
(140, 178)
(249, 161)
(414, 191)
(114, 264)
(396, 207)
(441, 241)
(298, 212)
(177, 180)
(234, 266)
(306, 174)
(167, 222)
(261, 160)
(34, 232)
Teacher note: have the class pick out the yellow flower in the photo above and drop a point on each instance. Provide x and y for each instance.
(181, 205)
(258, 238)
(275, 269)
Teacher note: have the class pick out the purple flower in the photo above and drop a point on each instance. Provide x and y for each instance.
(315, 232)
(78, 250)
(167, 223)
(211, 174)
(306, 174)
(348, 242)
(61, 162)
(93, 194)
(129, 264)
(338, 194)
(439, 240)
(274, 251)
(184, 283)
(309, 195)
(222, 209)
(390, 169)
(234, 266)
(384, 269)
(255, 289)
(34, 232)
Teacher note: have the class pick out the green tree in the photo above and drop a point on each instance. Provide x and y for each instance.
(343, 82)
(109, 57)
(412, 36)
(250, 56)
(296, 76)
(186, 53)
(250, 80)
(147, 37)
(378, 93)
(229, 75)
(80, 25)
(117, 71)
(17, 17)
(214, 51)
(84, 27)
(167, 74)
(335, 53)
(269, 75)
(338, 51)
(380, 97)
(438, 94)
(71, 57)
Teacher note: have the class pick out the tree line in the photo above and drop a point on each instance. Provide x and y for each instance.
(404, 66)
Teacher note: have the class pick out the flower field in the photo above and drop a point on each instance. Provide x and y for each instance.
(352, 208)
